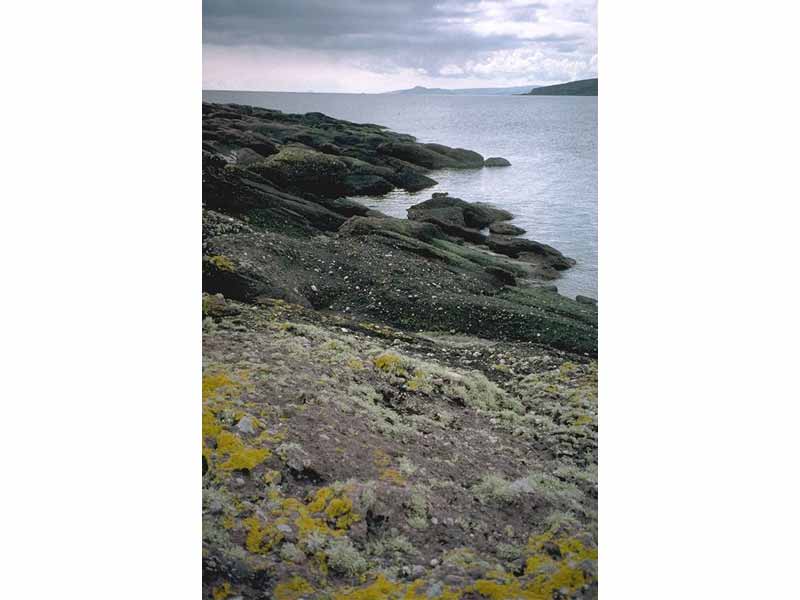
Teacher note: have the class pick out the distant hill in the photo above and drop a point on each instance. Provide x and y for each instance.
(583, 87)
(501, 91)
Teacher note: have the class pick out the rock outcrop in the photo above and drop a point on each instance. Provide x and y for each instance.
(356, 367)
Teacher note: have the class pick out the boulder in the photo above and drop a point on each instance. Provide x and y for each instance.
(496, 161)
(371, 225)
(502, 276)
(366, 184)
(304, 170)
(502, 228)
(432, 156)
(586, 300)
(467, 159)
(457, 217)
(411, 180)
(442, 207)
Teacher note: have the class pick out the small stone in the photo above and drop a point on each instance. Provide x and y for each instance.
(434, 562)
(246, 425)
(435, 590)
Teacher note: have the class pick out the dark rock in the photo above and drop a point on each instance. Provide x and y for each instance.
(365, 184)
(496, 161)
(503, 228)
(329, 148)
(473, 215)
(411, 180)
(346, 206)
(586, 300)
(244, 283)
(503, 276)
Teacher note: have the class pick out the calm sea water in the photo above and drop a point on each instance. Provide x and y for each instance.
(551, 187)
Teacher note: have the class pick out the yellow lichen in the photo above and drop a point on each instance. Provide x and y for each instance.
(393, 476)
(340, 510)
(507, 590)
(380, 458)
(320, 499)
(389, 363)
(272, 477)
(552, 574)
(223, 263)
(211, 426)
(240, 456)
(221, 591)
(380, 589)
(261, 538)
(293, 589)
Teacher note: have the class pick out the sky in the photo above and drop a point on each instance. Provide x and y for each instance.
(378, 45)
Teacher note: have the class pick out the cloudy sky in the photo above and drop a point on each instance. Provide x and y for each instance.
(382, 45)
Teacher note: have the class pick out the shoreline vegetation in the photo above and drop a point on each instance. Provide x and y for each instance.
(392, 408)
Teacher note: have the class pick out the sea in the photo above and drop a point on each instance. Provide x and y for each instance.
(551, 142)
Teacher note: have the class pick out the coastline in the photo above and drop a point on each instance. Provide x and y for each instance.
(358, 366)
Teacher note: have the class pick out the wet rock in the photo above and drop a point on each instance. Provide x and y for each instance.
(586, 300)
(496, 161)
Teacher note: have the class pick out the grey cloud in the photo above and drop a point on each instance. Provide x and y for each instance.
(386, 35)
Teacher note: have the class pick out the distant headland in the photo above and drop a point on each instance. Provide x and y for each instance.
(489, 91)
(582, 87)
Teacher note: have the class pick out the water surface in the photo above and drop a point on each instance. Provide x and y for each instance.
(551, 141)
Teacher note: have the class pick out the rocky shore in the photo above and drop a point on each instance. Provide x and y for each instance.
(392, 408)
